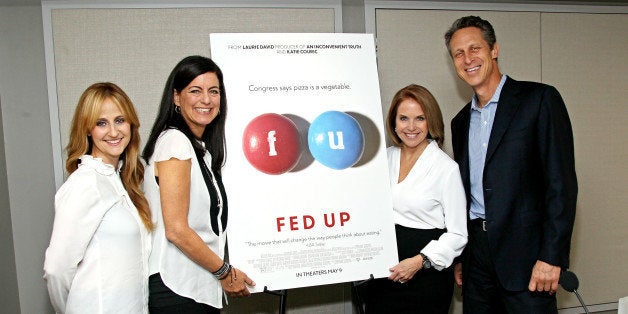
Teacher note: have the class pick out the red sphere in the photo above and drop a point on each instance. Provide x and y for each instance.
(271, 143)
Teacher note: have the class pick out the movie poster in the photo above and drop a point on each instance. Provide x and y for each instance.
(306, 172)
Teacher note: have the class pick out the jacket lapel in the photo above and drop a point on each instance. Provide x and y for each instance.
(463, 143)
(506, 109)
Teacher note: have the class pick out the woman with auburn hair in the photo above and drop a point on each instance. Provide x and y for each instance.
(97, 261)
(429, 210)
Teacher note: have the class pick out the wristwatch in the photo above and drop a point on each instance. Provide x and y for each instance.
(427, 264)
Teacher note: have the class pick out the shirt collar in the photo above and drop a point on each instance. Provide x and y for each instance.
(494, 99)
(98, 165)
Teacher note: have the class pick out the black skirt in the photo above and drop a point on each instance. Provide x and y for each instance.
(429, 291)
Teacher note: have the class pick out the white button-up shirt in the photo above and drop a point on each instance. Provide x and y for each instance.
(431, 197)
(97, 261)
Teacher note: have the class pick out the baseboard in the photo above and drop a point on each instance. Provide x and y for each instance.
(593, 308)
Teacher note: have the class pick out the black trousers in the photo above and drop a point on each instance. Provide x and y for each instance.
(162, 300)
(481, 290)
(429, 291)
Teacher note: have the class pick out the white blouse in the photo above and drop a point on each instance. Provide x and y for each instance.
(431, 196)
(97, 261)
(178, 272)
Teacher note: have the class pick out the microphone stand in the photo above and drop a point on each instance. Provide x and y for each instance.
(581, 301)
(569, 281)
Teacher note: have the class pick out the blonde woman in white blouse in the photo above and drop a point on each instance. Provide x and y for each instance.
(429, 210)
(97, 261)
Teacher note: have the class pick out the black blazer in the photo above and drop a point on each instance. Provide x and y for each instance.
(530, 185)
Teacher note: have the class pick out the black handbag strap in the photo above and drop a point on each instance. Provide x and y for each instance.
(214, 209)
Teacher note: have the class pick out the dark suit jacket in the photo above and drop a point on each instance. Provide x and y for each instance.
(529, 180)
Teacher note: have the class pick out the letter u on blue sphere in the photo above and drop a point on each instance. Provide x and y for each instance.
(335, 139)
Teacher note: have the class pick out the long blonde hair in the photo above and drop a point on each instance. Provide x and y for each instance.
(85, 116)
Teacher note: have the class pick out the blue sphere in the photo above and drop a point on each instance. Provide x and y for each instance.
(335, 139)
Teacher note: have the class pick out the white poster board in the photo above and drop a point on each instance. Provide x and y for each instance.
(313, 209)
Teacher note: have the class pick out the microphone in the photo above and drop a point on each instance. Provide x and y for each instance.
(569, 281)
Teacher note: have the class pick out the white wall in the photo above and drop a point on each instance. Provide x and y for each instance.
(28, 152)
(8, 290)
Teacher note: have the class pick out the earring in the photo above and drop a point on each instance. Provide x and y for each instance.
(177, 109)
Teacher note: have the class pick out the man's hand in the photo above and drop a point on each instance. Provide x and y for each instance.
(544, 277)
(458, 274)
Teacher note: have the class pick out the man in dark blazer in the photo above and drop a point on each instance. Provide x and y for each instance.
(514, 145)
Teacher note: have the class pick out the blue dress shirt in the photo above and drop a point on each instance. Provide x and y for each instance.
(479, 134)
